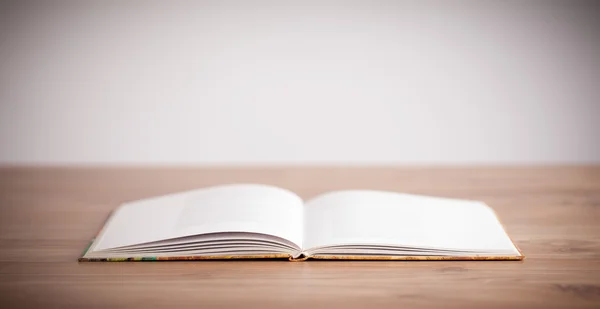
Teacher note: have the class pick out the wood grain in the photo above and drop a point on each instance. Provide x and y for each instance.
(48, 215)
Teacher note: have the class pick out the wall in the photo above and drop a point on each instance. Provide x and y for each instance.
(323, 82)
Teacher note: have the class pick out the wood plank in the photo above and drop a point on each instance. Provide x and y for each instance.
(48, 215)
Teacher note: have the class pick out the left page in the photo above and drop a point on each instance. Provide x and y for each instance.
(246, 208)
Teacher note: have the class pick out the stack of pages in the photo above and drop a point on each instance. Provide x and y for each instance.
(259, 221)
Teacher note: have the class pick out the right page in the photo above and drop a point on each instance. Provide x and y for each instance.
(363, 217)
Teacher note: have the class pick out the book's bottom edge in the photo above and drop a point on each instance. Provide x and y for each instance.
(304, 258)
(186, 258)
(415, 258)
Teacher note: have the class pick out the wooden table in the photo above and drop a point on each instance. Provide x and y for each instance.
(48, 215)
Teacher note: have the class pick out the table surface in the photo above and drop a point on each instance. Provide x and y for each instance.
(48, 216)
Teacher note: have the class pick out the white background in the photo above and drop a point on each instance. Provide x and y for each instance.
(256, 82)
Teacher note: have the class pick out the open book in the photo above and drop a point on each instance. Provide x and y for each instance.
(258, 221)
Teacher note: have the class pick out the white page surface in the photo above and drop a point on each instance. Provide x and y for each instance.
(229, 208)
(377, 217)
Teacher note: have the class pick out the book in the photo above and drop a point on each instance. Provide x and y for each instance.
(251, 221)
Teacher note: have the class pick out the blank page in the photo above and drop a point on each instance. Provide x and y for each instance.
(229, 208)
(376, 217)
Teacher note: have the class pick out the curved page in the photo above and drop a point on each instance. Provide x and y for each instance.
(229, 208)
(403, 220)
